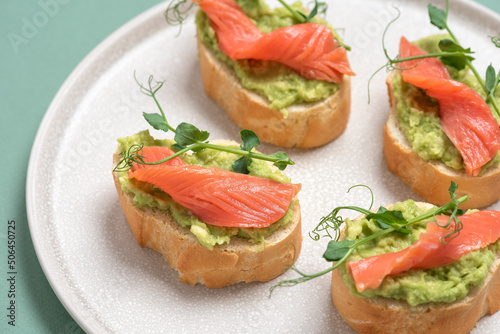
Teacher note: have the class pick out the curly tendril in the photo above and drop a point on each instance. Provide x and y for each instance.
(177, 11)
(134, 154)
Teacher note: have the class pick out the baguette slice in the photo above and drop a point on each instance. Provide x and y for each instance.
(386, 315)
(307, 124)
(240, 261)
(431, 178)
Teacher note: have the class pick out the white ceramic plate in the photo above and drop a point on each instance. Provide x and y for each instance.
(83, 242)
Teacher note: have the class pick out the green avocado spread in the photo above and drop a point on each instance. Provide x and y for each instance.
(418, 114)
(417, 286)
(278, 83)
(147, 195)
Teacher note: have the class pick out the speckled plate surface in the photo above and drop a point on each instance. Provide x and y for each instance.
(83, 242)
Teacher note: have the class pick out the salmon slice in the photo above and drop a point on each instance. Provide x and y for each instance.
(219, 197)
(157, 153)
(310, 49)
(479, 230)
(465, 117)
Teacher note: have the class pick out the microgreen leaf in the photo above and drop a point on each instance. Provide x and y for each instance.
(313, 12)
(452, 190)
(188, 134)
(282, 161)
(156, 121)
(241, 165)
(388, 218)
(178, 147)
(490, 79)
(336, 250)
(319, 7)
(448, 45)
(459, 62)
(249, 140)
(437, 16)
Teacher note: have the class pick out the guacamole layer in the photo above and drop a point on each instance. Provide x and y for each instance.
(147, 195)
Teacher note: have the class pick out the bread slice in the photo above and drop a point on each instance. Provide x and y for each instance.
(239, 261)
(386, 315)
(431, 178)
(307, 124)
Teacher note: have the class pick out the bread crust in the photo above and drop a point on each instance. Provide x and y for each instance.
(386, 315)
(431, 179)
(307, 124)
(240, 261)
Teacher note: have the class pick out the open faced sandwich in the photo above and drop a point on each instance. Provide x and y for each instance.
(183, 198)
(277, 72)
(418, 282)
(412, 267)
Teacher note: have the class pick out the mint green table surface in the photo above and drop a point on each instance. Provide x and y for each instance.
(34, 62)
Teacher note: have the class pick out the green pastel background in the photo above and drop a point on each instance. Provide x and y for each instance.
(34, 62)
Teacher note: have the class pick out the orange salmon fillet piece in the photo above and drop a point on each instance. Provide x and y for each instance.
(216, 196)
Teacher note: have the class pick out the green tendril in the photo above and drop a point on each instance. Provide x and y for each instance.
(387, 66)
(177, 12)
(302, 279)
(128, 158)
(495, 40)
(330, 224)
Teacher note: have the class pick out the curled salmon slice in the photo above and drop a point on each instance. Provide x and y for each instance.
(222, 198)
(479, 230)
(216, 196)
(310, 49)
(465, 117)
